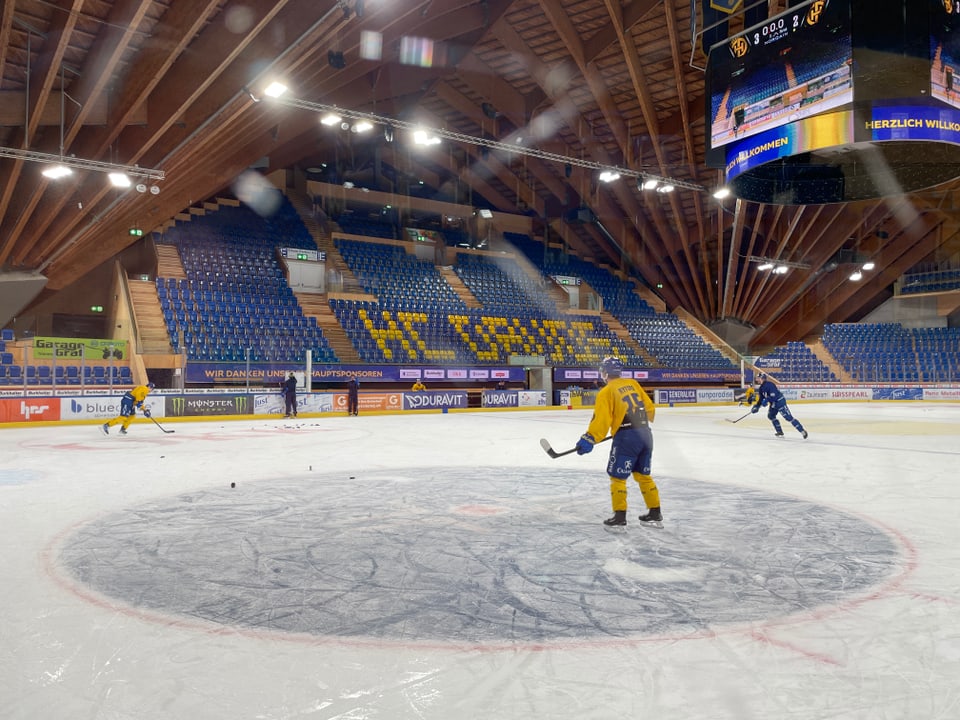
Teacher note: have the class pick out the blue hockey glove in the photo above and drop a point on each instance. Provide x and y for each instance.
(584, 444)
(755, 409)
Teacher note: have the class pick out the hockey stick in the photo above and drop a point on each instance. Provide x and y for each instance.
(161, 426)
(554, 454)
(739, 418)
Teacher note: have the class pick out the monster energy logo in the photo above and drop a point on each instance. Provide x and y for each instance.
(178, 405)
(181, 405)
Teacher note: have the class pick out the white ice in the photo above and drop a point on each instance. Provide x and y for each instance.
(73, 650)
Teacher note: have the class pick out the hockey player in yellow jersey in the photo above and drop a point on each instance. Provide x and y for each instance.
(623, 409)
(750, 396)
(131, 400)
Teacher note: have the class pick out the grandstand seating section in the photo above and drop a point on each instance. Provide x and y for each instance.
(889, 352)
(663, 335)
(933, 281)
(235, 299)
(419, 318)
(795, 362)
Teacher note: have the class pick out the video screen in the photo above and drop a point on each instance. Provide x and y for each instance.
(792, 66)
(945, 51)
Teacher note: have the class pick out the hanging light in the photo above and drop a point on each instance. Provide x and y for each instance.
(55, 172)
(119, 180)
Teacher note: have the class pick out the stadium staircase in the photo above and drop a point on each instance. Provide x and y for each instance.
(168, 262)
(151, 327)
(302, 203)
(708, 336)
(627, 339)
(824, 356)
(456, 284)
(316, 306)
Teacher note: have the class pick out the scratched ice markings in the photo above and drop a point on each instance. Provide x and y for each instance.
(484, 555)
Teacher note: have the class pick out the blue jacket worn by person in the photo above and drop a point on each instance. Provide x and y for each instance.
(131, 401)
(289, 389)
(623, 409)
(769, 395)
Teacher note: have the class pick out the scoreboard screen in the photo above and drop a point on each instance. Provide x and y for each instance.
(945, 51)
(792, 66)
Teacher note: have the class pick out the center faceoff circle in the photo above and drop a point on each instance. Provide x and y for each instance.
(482, 555)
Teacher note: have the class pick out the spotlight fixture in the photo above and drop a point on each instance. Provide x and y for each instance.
(721, 193)
(778, 266)
(275, 89)
(857, 276)
(154, 190)
(362, 126)
(119, 180)
(422, 137)
(513, 146)
(486, 214)
(869, 265)
(668, 188)
(141, 188)
(55, 172)
(649, 184)
(60, 166)
(609, 176)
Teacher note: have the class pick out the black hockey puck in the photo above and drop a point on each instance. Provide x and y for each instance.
(233, 484)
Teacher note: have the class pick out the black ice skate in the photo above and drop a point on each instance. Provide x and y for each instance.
(652, 518)
(804, 433)
(619, 518)
(779, 433)
(105, 428)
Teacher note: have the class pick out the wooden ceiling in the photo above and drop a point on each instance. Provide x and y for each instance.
(171, 85)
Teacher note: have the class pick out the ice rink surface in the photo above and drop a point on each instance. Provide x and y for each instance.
(443, 566)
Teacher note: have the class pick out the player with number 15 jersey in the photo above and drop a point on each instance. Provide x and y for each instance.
(624, 410)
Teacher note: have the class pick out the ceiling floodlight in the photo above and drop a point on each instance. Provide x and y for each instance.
(869, 265)
(141, 188)
(422, 137)
(722, 193)
(330, 119)
(55, 172)
(780, 270)
(487, 214)
(665, 189)
(650, 184)
(119, 180)
(154, 190)
(609, 176)
(362, 126)
(275, 89)
(765, 266)
(857, 276)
